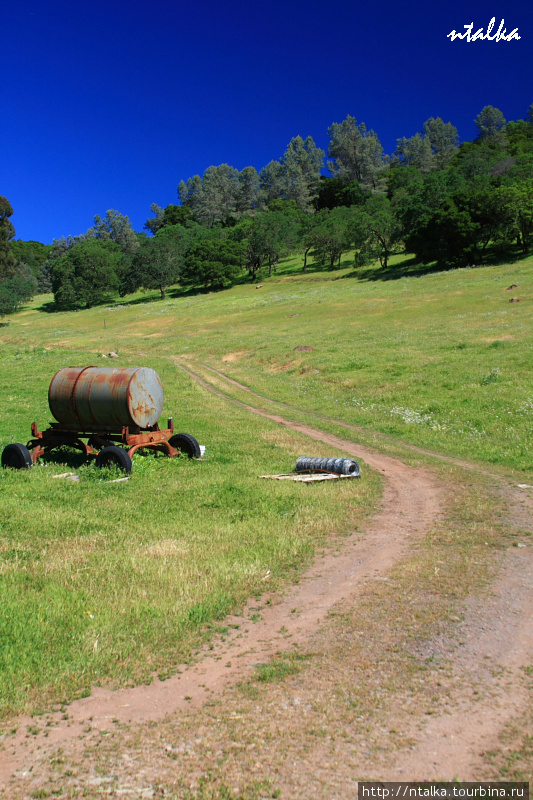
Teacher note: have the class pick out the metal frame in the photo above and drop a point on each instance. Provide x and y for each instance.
(58, 435)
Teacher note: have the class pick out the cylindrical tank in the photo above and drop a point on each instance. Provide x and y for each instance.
(105, 398)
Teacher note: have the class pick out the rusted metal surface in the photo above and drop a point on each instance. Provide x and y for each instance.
(56, 436)
(43, 443)
(100, 408)
(106, 398)
(155, 438)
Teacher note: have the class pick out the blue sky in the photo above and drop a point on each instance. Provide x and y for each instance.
(110, 104)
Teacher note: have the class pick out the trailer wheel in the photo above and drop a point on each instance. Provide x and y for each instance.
(113, 456)
(17, 456)
(186, 444)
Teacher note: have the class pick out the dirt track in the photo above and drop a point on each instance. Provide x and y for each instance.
(448, 745)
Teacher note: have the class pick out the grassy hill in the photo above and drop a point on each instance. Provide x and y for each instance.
(113, 582)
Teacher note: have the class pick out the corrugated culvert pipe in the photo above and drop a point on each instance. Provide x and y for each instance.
(340, 466)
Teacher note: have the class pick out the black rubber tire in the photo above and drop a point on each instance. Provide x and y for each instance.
(17, 456)
(186, 444)
(113, 456)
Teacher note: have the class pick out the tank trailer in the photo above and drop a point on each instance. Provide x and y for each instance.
(116, 410)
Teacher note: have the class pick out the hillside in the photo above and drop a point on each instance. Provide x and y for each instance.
(425, 378)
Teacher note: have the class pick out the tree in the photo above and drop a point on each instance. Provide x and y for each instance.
(403, 182)
(443, 138)
(44, 278)
(86, 274)
(154, 223)
(248, 195)
(356, 152)
(478, 158)
(447, 236)
(176, 215)
(490, 122)
(7, 232)
(271, 183)
(155, 265)
(166, 217)
(519, 137)
(213, 263)
(115, 227)
(330, 236)
(516, 202)
(415, 152)
(61, 246)
(17, 281)
(17, 289)
(301, 163)
(295, 176)
(159, 261)
(189, 192)
(480, 199)
(416, 196)
(340, 191)
(255, 248)
(219, 196)
(383, 227)
(32, 253)
(280, 230)
(431, 150)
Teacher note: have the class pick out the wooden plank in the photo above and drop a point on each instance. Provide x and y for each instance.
(306, 478)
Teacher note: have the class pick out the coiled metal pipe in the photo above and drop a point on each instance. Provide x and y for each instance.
(339, 466)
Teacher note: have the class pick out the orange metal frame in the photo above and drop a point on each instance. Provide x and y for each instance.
(57, 436)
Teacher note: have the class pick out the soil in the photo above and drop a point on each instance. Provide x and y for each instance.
(200, 734)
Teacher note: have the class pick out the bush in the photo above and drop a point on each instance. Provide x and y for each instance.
(17, 290)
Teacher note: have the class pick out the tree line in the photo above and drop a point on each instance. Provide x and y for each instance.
(447, 203)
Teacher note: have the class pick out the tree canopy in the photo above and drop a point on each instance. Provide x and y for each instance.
(449, 203)
(17, 281)
(87, 274)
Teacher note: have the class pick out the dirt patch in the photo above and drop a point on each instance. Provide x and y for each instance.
(230, 358)
(506, 337)
(496, 643)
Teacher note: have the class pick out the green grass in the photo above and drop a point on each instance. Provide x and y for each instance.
(103, 581)
(442, 360)
(113, 582)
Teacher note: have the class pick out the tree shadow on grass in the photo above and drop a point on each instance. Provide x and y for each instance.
(173, 292)
(49, 308)
(497, 257)
(293, 271)
(409, 267)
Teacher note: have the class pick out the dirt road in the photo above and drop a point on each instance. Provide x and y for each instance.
(452, 743)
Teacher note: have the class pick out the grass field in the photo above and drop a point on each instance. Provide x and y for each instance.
(115, 581)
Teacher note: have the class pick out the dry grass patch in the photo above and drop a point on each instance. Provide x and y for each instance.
(229, 358)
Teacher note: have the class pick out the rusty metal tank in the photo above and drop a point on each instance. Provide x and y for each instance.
(106, 398)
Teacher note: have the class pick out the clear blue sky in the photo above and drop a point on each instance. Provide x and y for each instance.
(110, 104)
